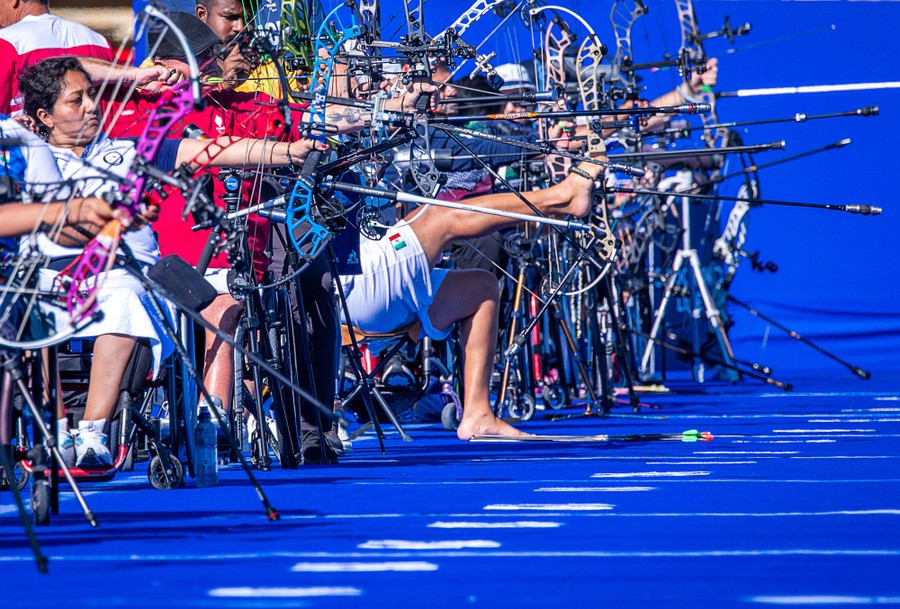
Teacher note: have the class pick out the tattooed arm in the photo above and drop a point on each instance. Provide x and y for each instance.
(347, 119)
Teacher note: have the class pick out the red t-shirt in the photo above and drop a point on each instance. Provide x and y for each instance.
(226, 113)
(37, 37)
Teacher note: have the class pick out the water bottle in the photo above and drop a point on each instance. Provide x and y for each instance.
(206, 451)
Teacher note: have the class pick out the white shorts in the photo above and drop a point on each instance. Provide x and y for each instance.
(396, 286)
(126, 310)
(218, 278)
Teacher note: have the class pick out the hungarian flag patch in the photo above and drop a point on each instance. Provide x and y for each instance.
(397, 241)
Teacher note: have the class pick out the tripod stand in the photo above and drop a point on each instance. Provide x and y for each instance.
(12, 378)
(687, 254)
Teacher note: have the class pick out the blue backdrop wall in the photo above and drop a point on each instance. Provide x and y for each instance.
(836, 272)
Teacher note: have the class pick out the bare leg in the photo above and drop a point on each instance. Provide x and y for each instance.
(218, 369)
(472, 297)
(111, 355)
(440, 226)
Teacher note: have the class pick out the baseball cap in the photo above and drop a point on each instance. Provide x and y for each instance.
(200, 37)
(515, 77)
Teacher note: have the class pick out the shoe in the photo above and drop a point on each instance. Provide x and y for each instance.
(91, 449)
(67, 448)
(311, 450)
(344, 436)
(66, 443)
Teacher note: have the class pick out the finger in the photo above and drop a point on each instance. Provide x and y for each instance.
(123, 216)
(425, 87)
(310, 144)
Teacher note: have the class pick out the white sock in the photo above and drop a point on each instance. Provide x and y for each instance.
(62, 426)
(95, 426)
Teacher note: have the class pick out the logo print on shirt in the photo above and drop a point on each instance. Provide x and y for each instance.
(397, 241)
(113, 158)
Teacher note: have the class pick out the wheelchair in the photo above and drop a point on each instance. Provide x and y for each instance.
(135, 428)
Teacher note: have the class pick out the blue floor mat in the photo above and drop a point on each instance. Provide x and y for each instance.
(795, 502)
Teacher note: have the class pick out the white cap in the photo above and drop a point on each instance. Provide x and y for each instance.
(515, 77)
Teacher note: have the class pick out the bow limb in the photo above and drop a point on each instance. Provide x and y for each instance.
(83, 277)
(557, 39)
(295, 32)
(693, 54)
(589, 84)
(469, 17)
(305, 229)
(622, 16)
(729, 245)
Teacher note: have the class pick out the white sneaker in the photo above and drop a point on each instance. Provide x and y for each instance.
(91, 449)
(344, 437)
(67, 448)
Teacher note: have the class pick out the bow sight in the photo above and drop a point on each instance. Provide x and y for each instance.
(418, 54)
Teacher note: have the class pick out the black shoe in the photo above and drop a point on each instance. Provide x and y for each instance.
(311, 448)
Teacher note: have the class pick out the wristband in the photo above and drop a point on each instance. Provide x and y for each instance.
(290, 160)
(581, 172)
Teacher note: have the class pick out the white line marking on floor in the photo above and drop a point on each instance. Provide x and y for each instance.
(823, 431)
(362, 567)
(589, 513)
(700, 462)
(825, 600)
(401, 544)
(550, 507)
(845, 457)
(521, 524)
(746, 452)
(375, 461)
(881, 512)
(283, 592)
(828, 394)
(594, 489)
(665, 553)
(648, 474)
(599, 554)
(252, 556)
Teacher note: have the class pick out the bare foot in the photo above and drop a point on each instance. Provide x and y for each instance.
(487, 425)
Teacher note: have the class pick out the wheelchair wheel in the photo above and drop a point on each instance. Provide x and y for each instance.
(163, 480)
(523, 407)
(21, 475)
(553, 396)
(449, 419)
(40, 502)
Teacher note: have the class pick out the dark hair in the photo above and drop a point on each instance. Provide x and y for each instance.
(477, 86)
(41, 84)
